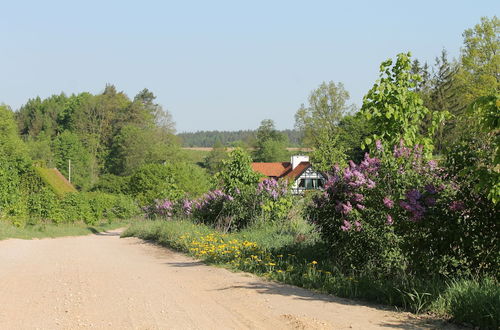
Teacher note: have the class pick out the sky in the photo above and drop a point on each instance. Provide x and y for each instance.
(220, 65)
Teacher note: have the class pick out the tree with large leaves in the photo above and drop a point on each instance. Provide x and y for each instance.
(396, 110)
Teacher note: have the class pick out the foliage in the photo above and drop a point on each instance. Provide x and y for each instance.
(353, 130)
(102, 133)
(213, 161)
(395, 110)
(191, 179)
(236, 172)
(475, 157)
(67, 146)
(270, 144)
(269, 202)
(480, 61)
(112, 184)
(319, 123)
(228, 138)
(401, 213)
(151, 182)
(329, 150)
(14, 162)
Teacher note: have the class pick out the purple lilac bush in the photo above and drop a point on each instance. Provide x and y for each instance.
(269, 200)
(397, 211)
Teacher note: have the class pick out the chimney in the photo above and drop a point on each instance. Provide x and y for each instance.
(296, 160)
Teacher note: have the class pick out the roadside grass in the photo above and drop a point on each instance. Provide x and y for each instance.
(51, 230)
(296, 255)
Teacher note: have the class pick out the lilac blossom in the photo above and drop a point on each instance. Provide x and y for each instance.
(389, 221)
(389, 203)
(358, 225)
(457, 206)
(346, 226)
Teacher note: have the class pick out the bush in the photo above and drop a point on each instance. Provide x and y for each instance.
(270, 201)
(112, 184)
(402, 213)
(153, 182)
(91, 208)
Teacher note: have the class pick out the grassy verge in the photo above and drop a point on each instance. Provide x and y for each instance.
(8, 230)
(297, 256)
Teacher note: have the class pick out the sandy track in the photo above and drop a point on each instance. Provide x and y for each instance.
(102, 281)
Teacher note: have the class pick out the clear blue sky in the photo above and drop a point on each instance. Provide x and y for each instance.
(219, 64)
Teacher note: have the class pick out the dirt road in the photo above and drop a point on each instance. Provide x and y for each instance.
(102, 281)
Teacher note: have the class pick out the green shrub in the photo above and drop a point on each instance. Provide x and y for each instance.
(93, 207)
(153, 182)
(112, 184)
(402, 214)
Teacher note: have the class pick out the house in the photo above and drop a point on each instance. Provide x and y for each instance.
(299, 171)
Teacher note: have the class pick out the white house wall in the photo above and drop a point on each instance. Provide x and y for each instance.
(308, 174)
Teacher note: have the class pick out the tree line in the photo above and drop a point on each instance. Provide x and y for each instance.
(208, 139)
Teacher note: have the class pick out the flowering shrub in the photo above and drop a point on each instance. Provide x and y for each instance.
(275, 199)
(400, 212)
(269, 201)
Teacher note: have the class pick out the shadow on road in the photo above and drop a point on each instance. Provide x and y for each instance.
(103, 233)
(185, 264)
(423, 322)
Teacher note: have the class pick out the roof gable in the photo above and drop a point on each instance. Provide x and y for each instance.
(298, 170)
(272, 169)
(281, 170)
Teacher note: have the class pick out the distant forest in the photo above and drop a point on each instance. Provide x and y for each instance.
(232, 138)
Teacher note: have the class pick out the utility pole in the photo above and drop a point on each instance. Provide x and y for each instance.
(69, 170)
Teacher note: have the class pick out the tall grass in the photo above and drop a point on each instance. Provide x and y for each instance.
(471, 301)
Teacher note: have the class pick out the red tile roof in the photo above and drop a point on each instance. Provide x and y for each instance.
(272, 169)
(298, 170)
(280, 170)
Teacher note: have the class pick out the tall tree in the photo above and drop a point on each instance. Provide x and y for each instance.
(68, 147)
(479, 73)
(270, 144)
(395, 109)
(213, 161)
(319, 122)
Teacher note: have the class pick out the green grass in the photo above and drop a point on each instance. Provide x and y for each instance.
(472, 302)
(8, 230)
(195, 156)
(55, 180)
(296, 255)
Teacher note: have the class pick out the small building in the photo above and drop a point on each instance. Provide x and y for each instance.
(299, 171)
